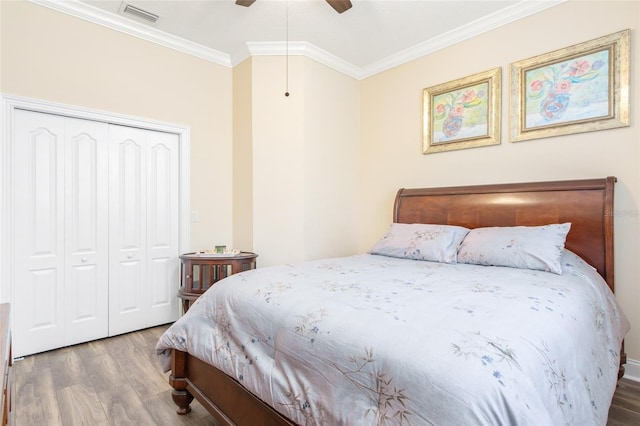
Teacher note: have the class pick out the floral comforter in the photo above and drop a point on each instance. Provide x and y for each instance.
(374, 340)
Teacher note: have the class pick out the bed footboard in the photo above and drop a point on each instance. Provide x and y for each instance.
(226, 399)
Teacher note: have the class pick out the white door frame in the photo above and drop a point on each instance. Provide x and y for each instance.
(9, 103)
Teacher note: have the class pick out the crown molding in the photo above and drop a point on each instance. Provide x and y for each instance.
(90, 13)
(120, 23)
(303, 48)
(518, 11)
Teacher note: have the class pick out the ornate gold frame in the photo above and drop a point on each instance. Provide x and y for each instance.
(617, 46)
(489, 102)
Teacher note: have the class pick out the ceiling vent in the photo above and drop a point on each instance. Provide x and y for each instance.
(127, 9)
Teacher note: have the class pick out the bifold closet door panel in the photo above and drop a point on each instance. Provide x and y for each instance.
(59, 201)
(86, 231)
(163, 226)
(127, 229)
(38, 216)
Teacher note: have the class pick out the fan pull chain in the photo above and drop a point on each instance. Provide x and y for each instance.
(286, 93)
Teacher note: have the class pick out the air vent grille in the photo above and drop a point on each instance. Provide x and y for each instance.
(139, 13)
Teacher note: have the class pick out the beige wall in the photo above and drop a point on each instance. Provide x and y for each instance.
(242, 157)
(391, 114)
(278, 171)
(305, 154)
(331, 162)
(51, 56)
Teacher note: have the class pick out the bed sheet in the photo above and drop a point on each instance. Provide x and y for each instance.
(376, 340)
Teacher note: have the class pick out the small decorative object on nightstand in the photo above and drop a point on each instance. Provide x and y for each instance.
(200, 270)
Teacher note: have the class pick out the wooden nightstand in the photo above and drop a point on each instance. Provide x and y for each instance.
(198, 272)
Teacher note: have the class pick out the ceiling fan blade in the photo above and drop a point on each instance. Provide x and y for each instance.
(245, 3)
(340, 5)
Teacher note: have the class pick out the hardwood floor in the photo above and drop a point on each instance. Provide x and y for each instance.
(625, 407)
(84, 385)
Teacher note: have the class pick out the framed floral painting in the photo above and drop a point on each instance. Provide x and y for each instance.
(463, 113)
(581, 88)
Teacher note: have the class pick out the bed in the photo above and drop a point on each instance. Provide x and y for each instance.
(387, 343)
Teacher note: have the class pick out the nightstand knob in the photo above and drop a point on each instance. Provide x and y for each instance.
(84, 259)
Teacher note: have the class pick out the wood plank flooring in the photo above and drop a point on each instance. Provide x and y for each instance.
(625, 406)
(86, 385)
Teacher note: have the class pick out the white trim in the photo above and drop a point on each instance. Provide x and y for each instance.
(302, 48)
(93, 14)
(632, 370)
(472, 29)
(101, 17)
(9, 103)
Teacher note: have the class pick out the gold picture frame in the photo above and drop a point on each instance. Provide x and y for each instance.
(463, 113)
(577, 89)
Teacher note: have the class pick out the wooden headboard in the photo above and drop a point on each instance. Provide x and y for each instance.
(587, 204)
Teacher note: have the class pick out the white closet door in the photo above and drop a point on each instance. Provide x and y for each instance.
(86, 231)
(127, 229)
(39, 227)
(162, 226)
(60, 231)
(143, 217)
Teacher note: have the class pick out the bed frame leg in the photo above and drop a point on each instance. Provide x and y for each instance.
(180, 395)
(182, 398)
(623, 361)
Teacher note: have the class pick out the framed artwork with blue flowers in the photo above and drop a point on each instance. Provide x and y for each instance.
(577, 89)
(463, 113)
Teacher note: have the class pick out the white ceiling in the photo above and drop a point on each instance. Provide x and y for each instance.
(372, 36)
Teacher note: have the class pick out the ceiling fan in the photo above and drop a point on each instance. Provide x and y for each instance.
(339, 5)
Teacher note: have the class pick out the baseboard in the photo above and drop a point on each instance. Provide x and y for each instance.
(632, 370)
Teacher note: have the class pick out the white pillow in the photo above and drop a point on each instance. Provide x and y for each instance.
(527, 247)
(437, 243)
